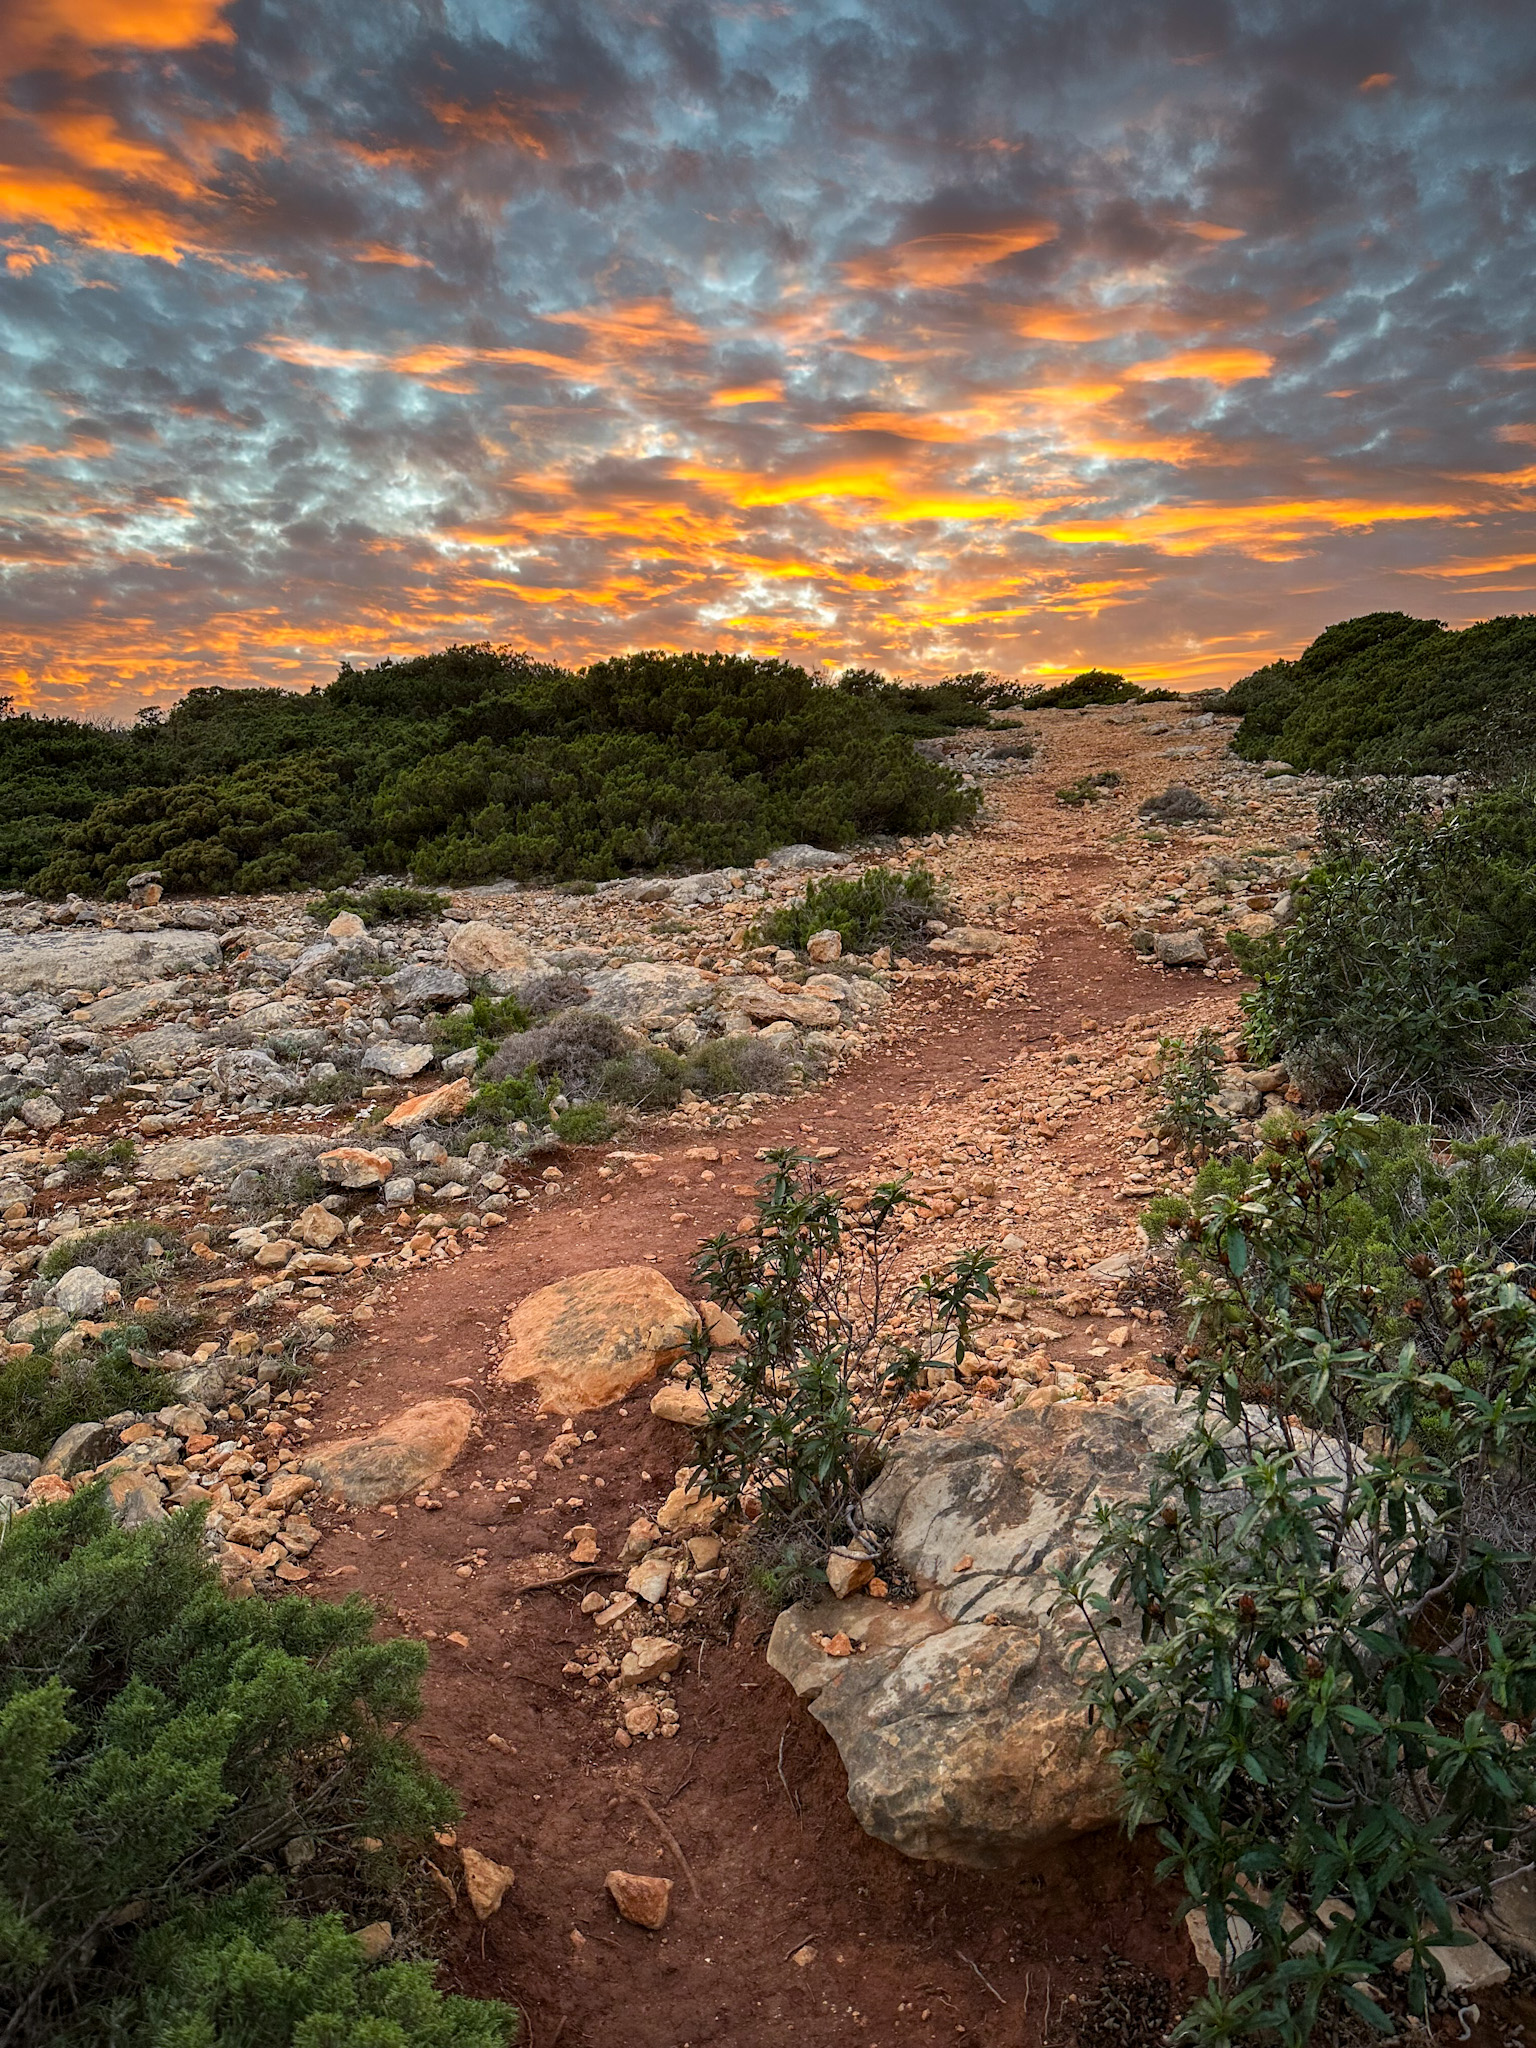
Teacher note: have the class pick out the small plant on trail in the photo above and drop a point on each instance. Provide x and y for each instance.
(833, 1344)
(1088, 789)
(1313, 1639)
(881, 908)
(1189, 1080)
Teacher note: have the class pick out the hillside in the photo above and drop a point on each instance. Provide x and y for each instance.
(1387, 693)
(474, 763)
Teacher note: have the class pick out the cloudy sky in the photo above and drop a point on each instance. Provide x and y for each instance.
(928, 334)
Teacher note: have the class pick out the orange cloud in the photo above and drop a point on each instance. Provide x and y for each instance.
(1214, 365)
(1271, 531)
(1208, 231)
(748, 394)
(1378, 81)
(934, 262)
(1495, 565)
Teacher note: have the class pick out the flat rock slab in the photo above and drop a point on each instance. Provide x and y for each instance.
(594, 1338)
(409, 1452)
(69, 958)
(649, 988)
(958, 1719)
(223, 1158)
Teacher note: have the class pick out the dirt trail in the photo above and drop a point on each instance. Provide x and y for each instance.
(750, 1789)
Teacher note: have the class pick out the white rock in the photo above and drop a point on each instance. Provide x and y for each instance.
(83, 1291)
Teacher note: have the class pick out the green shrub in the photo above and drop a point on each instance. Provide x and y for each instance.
(164, 1746)
(121, 1252)
(91, 1159)
(1188, 1083)
(1095, 686)
(655, 1077)
(1088, 789)
(569, 1051)
(880, 908)
(1387, 693)
(1397, 983)
(833, 1342)
(470, 764)
(586, 1123)
(384, 905)
(41, 1397)
(490, 1020)
(1330, 1647)
(519, 1098)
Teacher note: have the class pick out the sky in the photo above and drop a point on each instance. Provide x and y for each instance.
(927, 335)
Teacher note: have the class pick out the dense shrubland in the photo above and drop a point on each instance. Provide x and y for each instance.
(1390, 694)
(474, 763)
(202, 1796)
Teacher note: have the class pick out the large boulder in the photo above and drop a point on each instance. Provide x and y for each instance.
(438, 1106)
(592, 1339)
(164, 1052)
(420, 985)
(483, 951)
(408, 1453)
(222, 1158)
(83, 1291)
(74, 958)
(749, 996)
(129, 1006)
(647, 989)
(959, 1721)
(397, 1060)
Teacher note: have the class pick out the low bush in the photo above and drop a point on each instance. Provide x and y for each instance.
(655, 1077)
(1088, 789)
(881, 908)
(490, 1020)
(136, 1255)
(1188, 1081)
(1399, 983)
(41, 1397)
(165, 1746)
(385, 905)
(1312, 1641)
(585, 1123)
(1095, 686)
(570, 1050)
(833, 1343)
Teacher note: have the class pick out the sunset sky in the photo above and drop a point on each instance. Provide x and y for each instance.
(924, 334)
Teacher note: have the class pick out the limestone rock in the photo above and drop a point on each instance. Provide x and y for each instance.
(397, 1061)
(443, 1105)
(41, 1113)
(641, 1899)
(967, 942)
(648, 1658)
(76, 958)
(848, 1572)
(1180, 949)
(83, 1291)
(346, 924)
(348, 1166)
(319, 1229)
(222, 1158)
(250, 1072)
(824, 946)
(422, 986)
(590, 1340)
(649, 988)
(164, 1052)
(82, 1446)
(486, 1883)
(375, 1940)
(136, 1498)
(969, 1743)
(803, 859)
(128, 1006)
(410, 1451)
(684, 1405)
(750, 996)
(480, 949)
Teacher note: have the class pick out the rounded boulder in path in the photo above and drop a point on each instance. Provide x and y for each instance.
(591, 1339)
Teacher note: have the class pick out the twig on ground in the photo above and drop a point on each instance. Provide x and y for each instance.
(667, 1836)
(794, 1802)
(960, 1952)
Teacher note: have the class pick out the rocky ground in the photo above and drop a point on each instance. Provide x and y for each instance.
(355, 1335)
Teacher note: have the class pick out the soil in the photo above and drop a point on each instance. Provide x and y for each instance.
(787, 1922)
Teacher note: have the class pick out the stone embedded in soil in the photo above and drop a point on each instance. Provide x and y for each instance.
(1180, 949)
(486, 1883)
(649, 1580)
(848, 1571)
(969, 1744)
(967, 942)
(349, 1166)
(407, 1454)
(688, 1512)
(478, 949)
(648, 1658)
(92, 959)
(683, 1405)
(590, 1340)
(318, 1228)
(222, 1158)
(398, 1062)
(642, 1900)
(443, 1105)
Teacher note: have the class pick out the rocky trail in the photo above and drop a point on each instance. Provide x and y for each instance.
(599, 1691)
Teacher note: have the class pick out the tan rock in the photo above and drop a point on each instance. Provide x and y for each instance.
(686, 1406)
(277, 1253)
(375, 1940)
(443, 1105)
(965, 942)
(720, 1326)
(409, 1452)
(486, 1883)
(649, 1579)
(848, 1571)
(287, 1488)
(319, 1229)
(688, 1512)
(642, 1900)
(479, 948)
(346, 924)
(648, 1658)
(824, 946)
(48, 1486)
(749, 997)
(704, 1551)
(348, 1166)
(590, 1340)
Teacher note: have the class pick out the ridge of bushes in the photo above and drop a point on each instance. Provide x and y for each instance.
(477, 762)
(1391, 694)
